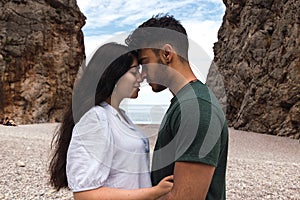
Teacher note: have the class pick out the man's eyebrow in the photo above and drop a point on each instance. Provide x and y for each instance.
(141, 60)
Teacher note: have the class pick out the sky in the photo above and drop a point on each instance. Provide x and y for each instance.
(113, 20)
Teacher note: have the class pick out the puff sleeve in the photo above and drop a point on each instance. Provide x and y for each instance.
(90, 152)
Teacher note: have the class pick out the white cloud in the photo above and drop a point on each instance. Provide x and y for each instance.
(123, 12)
(204, 33)
(83, 5)
(93, 42)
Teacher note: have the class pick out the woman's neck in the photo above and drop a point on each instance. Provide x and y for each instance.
(114, 102)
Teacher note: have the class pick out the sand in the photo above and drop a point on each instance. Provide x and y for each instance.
(259, 166)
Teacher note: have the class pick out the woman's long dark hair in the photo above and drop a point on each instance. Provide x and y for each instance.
(108, 64)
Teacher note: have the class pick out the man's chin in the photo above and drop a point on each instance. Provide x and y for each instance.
(157, 87)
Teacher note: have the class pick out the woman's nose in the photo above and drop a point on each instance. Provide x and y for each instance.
(139, 78)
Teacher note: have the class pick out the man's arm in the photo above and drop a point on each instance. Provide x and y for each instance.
(191, 181)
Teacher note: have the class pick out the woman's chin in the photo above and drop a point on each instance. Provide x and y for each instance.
(135, 94)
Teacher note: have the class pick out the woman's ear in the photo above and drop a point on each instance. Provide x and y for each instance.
(167, 52)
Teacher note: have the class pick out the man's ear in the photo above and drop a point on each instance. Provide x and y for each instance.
(166, 53)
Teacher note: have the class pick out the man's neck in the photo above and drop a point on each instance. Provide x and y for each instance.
(183, 76)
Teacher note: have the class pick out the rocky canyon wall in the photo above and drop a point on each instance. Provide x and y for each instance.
(258, 57)
(41, 48)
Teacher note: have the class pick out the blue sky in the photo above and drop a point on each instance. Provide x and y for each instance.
(114, 19)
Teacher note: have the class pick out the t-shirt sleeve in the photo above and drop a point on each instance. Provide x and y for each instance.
(90, 152)
(198, 128)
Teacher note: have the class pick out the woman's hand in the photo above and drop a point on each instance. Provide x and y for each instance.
(155, 192)
(165, 185)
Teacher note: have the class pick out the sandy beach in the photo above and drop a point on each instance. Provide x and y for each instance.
(259, 166)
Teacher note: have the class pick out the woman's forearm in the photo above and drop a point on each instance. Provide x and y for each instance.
(118, 194)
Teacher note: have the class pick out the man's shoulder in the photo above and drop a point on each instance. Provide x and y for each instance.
(194, 90)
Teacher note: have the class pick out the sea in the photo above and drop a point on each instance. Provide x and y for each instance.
(145, 113)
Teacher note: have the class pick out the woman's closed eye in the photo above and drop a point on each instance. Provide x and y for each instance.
(135, 70)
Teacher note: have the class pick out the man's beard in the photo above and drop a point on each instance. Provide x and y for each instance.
(155, 86)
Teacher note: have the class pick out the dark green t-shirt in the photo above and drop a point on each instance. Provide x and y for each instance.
(194, 129)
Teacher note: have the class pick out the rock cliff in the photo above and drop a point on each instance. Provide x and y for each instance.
(41, 48)
(258, 56)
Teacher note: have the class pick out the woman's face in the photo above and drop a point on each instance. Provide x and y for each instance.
(128, 85)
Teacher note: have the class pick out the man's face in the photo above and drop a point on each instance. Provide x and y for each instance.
(152, 69)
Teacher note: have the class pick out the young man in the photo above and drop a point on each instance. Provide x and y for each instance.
(192, 141)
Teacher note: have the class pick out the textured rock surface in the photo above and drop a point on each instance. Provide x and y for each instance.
(41, 48)
(258, 55)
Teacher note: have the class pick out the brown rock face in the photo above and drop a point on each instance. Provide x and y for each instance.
(41, 48)
(258, 55)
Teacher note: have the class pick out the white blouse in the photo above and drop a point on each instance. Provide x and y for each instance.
(107, 151)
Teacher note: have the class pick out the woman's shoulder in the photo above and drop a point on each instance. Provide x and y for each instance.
(94, 114)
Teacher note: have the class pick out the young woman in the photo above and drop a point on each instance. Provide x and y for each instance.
(98, 152)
